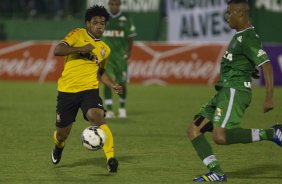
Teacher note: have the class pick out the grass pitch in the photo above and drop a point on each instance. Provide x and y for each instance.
(151, 143)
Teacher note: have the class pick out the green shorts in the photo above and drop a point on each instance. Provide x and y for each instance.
(117, 70)
(227, 107)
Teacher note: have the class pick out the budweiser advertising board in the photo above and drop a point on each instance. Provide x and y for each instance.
(151, 63)
(155, 63)
(29, 60)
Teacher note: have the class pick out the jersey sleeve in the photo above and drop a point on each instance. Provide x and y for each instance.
(106, 57)
(72, 37)
(252, 48)
(130, 27)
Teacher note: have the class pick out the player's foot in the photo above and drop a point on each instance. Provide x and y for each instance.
(112, 165)
(122, 113)
(277, 138)
(211, 176)
(56, 155)
(110, 114)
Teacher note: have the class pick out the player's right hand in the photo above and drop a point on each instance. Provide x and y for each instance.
(86, 48)
(118, 89)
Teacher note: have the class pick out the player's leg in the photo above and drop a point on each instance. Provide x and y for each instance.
(229, 113)
(94, 112)
(59, 137)
(122, 78)
(108, 93)
(67, 108)
(196, 130)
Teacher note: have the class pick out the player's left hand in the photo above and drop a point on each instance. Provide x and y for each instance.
(268, 105)
(117, 89)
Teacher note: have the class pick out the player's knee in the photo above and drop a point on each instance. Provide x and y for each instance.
(96, 116)
(192, 131)
(219, 138)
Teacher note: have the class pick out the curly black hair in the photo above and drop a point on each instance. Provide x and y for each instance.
(96, 10)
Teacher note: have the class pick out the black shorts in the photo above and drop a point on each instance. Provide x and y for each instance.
(69, 103)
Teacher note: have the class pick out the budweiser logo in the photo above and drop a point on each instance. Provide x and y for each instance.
(27, 66)
(17, 61)
(184, 64)
(187, 69)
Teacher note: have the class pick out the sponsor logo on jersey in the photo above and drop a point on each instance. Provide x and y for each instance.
(261, 52)
(248, 84)
(217, 114)
(97, 61)
(122, 18)
(239, 38)
(114, 33)
(228, 56)
(132, 28)
(103, 51)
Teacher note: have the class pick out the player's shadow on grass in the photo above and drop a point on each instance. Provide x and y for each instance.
(273, 171)
(98, 162)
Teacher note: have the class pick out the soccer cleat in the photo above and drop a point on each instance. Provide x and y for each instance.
(110, 114)
(211, 176)
(277, 137)
(56, 155)
(122, 113)
(112, 165)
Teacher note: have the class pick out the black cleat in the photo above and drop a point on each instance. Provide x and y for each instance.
(56, 155)
(112, 165)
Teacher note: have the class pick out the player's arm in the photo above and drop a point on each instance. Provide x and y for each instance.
(129, 49)
(63, 49)
(268, 77)
(105, 79)
(131, 33)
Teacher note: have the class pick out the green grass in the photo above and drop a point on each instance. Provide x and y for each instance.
(151, 144)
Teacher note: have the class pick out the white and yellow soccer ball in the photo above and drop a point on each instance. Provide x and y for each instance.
(93, 138)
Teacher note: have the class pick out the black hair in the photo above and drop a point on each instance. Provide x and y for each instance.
(238, 1)
(96, 10)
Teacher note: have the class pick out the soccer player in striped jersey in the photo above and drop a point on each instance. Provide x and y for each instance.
(223, 114)
(78, 87)
(119, 35)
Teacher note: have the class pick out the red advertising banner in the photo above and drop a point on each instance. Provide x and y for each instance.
(151, 63)
(29, 61)
(155, 63)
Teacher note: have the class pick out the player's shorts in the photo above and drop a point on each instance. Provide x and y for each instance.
(117, 70)
(68, 105)
(227, 107)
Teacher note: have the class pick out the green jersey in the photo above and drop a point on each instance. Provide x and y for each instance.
(118, 29)
(243, 55)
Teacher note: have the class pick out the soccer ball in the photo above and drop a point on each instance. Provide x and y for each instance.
(93, 138)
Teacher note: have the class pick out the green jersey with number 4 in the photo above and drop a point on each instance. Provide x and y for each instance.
(243, 55)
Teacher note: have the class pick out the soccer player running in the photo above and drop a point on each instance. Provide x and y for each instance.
(222, 115)
(78, 87)
(119, 35)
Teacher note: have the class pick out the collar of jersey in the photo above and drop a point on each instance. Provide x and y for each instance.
(252, 27)
(116, 15)
(92, 36)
